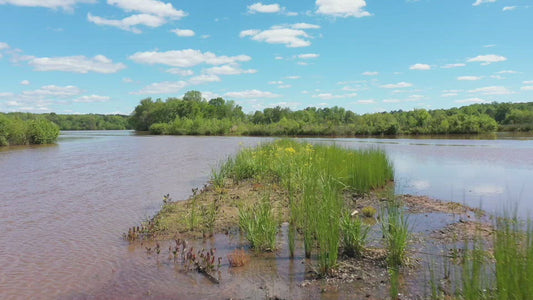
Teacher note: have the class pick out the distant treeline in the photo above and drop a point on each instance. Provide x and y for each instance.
(16, 131)
(80, 122)
(194, 115)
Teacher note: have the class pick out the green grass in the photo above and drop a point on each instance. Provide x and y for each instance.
(260, 225)
(395, 229)
(314, 177)
(354, 235)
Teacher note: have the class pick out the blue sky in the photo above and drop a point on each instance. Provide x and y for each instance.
(104, 56)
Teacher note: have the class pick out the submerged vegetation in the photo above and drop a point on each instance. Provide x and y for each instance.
(15, 131)
(194, 115)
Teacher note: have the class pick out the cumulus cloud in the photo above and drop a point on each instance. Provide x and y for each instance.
(329, 96)
(527, 82)
(3, 46)
(370, 73)
(130, 22)
(293, 77)
(342, 8)
(54, 4)
(76, 64)
(478, 2)
(251, 94)
(183, 32)
(507, 72)
(54, 91)
(492, 90)
(151, 13)
(366, 101)
(397, 85)
(527, 88)
(487, 59)
(471, 100)
(185, 58)
(165, 87)
(91, 99)
(264, 8)
(25, 82)
(180, 72)
(229, 70)
(508, 8)
(152, 7)
(204, 78)
(292, 36)
(449, 66)
(469, 78)
(420, 67)
(308, 55)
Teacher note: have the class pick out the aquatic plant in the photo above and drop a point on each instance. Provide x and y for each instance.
(395, 230)
(354, 234)
(260, 225)
(238, 258)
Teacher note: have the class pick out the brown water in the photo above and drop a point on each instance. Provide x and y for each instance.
(64, 207)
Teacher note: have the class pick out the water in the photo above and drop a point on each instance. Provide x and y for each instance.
(64, 207)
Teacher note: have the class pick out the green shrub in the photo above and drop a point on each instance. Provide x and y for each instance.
(42, 131)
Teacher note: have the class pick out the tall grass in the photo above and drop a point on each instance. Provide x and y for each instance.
(315, 177)
(260, 225)
(395, 228)
(354, 235)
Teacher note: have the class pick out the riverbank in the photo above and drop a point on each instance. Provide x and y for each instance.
(384, 245)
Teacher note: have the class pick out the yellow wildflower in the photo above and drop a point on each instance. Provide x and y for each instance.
(290, 150)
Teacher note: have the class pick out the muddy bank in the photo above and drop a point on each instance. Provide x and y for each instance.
(213, 213)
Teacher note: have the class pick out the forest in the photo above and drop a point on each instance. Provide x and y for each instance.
(193, 115)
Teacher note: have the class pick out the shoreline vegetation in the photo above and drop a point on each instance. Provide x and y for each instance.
(15, 131)
(340, 208)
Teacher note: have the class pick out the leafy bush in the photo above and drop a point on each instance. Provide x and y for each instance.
(42, 131)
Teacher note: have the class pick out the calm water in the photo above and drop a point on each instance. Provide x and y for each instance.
(64, 207)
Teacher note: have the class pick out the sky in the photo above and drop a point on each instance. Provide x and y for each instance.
(104, 56)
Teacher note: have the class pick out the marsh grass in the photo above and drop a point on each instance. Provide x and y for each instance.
(314, 177)
(260, 225)
(354, 235)
(395, 228)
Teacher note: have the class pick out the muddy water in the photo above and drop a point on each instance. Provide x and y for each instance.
(64, 207)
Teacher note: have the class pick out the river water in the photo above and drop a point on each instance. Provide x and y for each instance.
(64, 207)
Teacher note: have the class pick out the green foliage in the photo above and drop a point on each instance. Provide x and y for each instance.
(42, 131)
(368, 211)
(354, 234)
(16, 131)
(195, 116)
(395, 229)
(259, 225)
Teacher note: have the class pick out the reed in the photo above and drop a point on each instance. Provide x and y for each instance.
(395, 228)
(260, 225)
(354, 235)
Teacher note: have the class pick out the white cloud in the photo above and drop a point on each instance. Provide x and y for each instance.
(53, 91)
(3, 46)
(489, 46)
(492, 90)
(366, 101)
(180, 72)
(508, 8)
(420, 67)
(304, 26)
(251, 94)
(130, 22)
(392, 100)
(449, 95)
(127, 80)
(264, 8)
(232, 69)
(471, 100)
(469, 78)
(370, 73)
(185, 58)
(449, 66)
(292, 36)
(527, 88)
(487, 59)
(284, 86)
(278, 57)
(92, 99)
(478, 2)
(302, 63)
(497, 77)
(329, 96)
(165, 87)
(76, 64)
(342, 8)
(293, 77)
(397, 85)
(275, 82)
(64, 4)
(204, 78)
(183, 32)
(507, 72)
(527, 82)
(308, 55)
(152, 7)
(25, 82)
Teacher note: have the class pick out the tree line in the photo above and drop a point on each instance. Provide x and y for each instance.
(193, 115)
